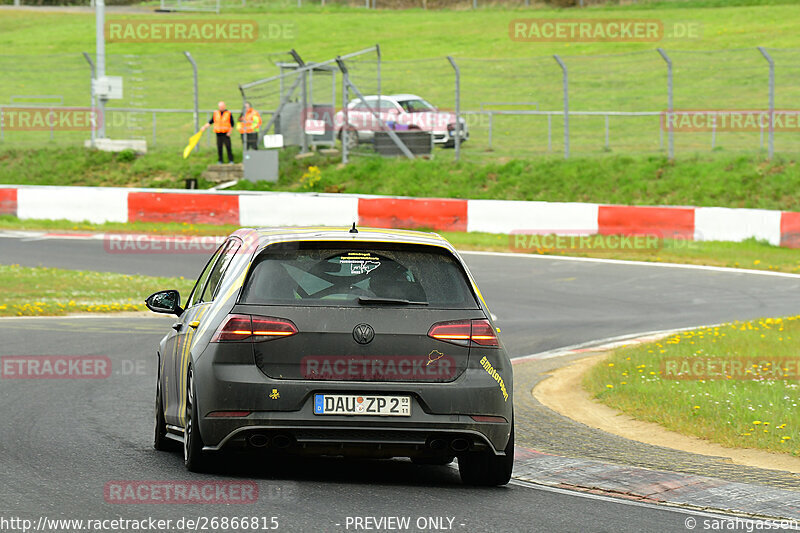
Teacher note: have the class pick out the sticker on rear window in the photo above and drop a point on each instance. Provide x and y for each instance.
(360, 262)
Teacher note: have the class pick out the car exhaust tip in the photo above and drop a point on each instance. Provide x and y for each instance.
(258, 440)
(459, 445)
(438, 444)
(281, 441)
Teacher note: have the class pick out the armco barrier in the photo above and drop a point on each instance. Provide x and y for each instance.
(435, 213)
(665, 221)
(8, 202)
(249, 208)
(201, 208)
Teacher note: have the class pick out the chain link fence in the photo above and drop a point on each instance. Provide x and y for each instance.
(222, 5)
(512, 107)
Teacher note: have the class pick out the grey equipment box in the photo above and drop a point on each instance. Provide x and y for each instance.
(261, 165)
(418, 143)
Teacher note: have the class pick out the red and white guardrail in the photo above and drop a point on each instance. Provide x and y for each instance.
(249, 208)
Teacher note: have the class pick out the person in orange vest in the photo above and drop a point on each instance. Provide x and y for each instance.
(248, 125)
(222, 120)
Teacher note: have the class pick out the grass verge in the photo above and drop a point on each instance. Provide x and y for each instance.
(750, 254)
(745, 406)
(716, 180)
(39, 291)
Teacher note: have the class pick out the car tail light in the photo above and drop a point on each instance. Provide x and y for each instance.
(462, 332)
(247, 328)
(454, 332)
(483, 333)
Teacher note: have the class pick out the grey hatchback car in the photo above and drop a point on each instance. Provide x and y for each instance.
(342, 342)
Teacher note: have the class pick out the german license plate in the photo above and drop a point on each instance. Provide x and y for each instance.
(362, 404)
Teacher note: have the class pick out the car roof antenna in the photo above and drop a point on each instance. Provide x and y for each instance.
(353, 229)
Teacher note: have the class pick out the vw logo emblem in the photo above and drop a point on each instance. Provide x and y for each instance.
(363, 333)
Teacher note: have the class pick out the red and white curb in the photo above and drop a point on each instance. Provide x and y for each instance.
(252, 208)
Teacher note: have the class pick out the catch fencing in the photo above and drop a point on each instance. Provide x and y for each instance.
(573, 105)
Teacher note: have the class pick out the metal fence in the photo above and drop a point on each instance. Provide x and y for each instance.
(513, 107)
(222, 5)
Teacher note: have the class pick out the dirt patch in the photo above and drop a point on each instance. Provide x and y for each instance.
(563, 392)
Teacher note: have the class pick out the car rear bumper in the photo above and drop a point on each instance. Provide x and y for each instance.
(289, 434)
(449, 137)
(283, 410)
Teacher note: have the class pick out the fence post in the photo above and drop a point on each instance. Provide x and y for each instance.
(670, 109)
(474, 4)
(458, 107)
(304, 113)
(346, 120)
(608, 146)
(771, 99)
(566, 105)
(378, 52)
(154, 128)
(94, 110)
(196, 99)
(100, 57)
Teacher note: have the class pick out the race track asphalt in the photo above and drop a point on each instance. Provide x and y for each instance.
(61, 441)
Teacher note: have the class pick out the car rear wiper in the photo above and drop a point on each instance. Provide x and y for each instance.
(399, 301)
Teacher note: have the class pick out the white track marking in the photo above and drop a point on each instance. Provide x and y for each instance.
(607, 343)
(728, 270)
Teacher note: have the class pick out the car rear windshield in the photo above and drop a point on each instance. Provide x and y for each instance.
(352, 274)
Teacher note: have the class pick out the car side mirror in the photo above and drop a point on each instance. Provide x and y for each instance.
(167, 302)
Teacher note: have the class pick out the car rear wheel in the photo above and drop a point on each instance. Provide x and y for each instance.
(487, 469)
(193, 456)
(161, 442)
